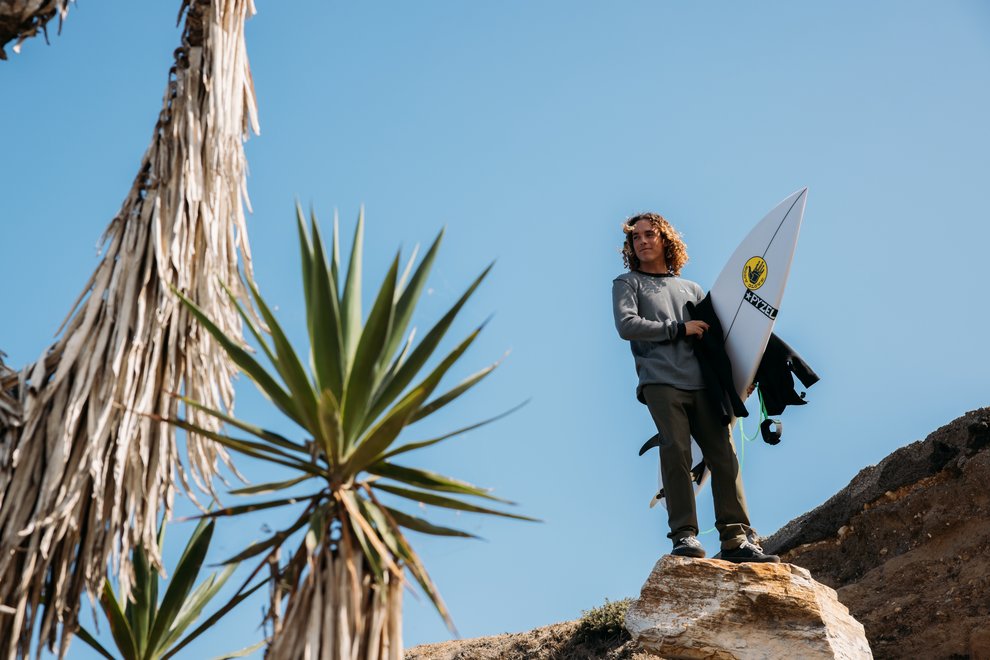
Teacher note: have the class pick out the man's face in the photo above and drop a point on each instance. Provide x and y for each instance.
(647, 242)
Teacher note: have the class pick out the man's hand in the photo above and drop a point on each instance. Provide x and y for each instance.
(695, 328)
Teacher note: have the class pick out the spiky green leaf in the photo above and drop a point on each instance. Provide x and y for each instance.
(182, 582)
(194, 605)
(331, 434)
(288, 364)
(268, 385)
(386, 430)
(249, 323)
(326, 334)
(363, 376)
(273, 541)
(271, 486)
(254, 449)
(88, 638)
(452, 394)
(242, 509)
(445, 502)
(392, 388)
(429, 480)
(406, 304)
(139, 613)
(335, 248)
(350, 303)
(305, 251)
(121, 631)
(412, 446)
(216, 616)
(425, 526)
(247, 650)
(265, 434)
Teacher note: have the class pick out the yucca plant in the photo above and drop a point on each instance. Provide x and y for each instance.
(364, 386)
(144, 628)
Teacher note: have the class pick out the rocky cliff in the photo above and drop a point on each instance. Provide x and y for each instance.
(906, 545)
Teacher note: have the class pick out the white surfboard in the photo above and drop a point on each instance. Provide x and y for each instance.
(748, 292)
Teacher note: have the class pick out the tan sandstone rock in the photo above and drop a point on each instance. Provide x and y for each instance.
(706, 608)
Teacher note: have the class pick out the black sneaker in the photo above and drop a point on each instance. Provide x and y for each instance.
(689, 546)
(748, 552)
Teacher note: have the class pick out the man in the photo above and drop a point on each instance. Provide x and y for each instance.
(650, 306)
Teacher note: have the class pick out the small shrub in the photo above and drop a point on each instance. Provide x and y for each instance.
(606, 623)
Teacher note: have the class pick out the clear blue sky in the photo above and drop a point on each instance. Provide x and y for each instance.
(531, 130)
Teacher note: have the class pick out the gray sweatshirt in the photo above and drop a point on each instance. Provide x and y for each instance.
(650, 312)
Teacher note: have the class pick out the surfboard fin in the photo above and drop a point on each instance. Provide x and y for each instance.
(650, 444)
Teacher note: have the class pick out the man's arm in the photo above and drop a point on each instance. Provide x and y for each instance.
(632, 326)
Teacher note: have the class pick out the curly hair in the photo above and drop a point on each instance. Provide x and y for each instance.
(674, 250)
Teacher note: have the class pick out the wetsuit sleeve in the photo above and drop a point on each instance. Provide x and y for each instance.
(632, 326)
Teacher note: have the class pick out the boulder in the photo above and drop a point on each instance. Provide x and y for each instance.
(707, 608)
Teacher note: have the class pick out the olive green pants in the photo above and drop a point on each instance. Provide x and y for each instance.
(679, 415)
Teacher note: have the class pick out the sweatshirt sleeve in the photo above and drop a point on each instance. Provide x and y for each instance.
(632, 326)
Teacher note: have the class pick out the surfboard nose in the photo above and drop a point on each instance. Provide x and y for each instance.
(795, 201)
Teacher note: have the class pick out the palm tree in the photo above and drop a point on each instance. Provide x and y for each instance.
(363, 386)
(84, 475)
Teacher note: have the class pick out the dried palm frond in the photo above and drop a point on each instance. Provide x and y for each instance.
(86, 474)
(10, 407)
(22, 19)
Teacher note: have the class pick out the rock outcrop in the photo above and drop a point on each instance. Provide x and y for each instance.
(907, 545)
(706, 608)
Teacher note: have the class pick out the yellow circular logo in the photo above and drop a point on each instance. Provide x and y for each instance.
(754, 273)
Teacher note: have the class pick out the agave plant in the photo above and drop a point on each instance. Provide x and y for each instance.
(364, 385)
(144, 628)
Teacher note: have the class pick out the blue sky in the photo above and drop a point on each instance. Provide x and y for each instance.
(530, 130)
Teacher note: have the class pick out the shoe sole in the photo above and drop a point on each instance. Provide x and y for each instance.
(693, 554)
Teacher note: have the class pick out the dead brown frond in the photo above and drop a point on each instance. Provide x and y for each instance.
(22, 19)
(336, 608)
(84, 472)
(10, 407)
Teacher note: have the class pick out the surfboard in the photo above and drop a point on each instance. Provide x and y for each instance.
(748, 293)
(749, 290)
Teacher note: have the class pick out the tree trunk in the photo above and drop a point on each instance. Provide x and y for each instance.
(337, 611)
